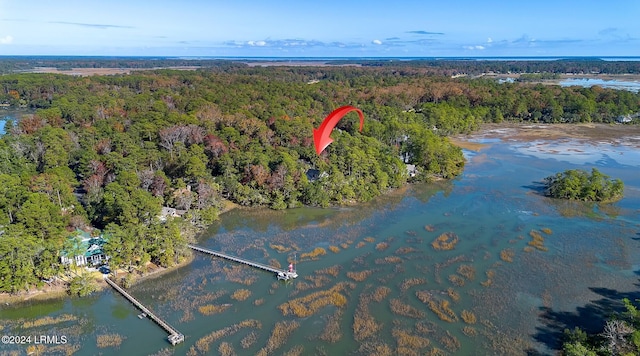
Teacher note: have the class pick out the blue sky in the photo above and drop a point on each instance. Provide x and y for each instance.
(320, 28)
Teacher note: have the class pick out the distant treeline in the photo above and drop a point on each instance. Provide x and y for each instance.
(474, 67)
(433, 66)
(10, 64)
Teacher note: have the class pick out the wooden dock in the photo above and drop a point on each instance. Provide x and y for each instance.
(174, 336)
(282, 274)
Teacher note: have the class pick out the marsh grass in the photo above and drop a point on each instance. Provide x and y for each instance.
(439, 307)
(332, 271)
(411, 282)
(275, 263)
(467, 271)
(64, 349)
(537, 240)
(380, 293)
(279, 335)
(32, 350)
(297, 350)
(456, 280)
(446, 241)
(447, 263)
(490, 274)
(313, 255)
(364, 324)
(469, 331)
(400, 308)
(310, 304)
(109, 340)
(225, 349)
(449, 341)
(332, 331)
(240, 274)
(248, 341)
(47, 320)
(211, 309)
(241, 294)
(280, 248)
(507, 255)
(425, 327)
(453, 294)
(359, 276)
(203, 344)
(388, 260)
(377, 348)
(405, 250)
(405, 339)
(468, 317)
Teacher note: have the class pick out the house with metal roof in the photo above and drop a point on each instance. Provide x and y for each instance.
(84, 249)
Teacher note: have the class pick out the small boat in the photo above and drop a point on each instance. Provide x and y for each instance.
(143, 315)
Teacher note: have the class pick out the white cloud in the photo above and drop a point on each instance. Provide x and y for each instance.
(257, 43)
(474, 47)
(376, 42)
(489, 40)
(6, 39)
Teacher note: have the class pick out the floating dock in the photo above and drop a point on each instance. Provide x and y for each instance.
(280, 273)
(174, 336)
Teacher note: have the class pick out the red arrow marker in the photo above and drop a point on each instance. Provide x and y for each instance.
(321, 135)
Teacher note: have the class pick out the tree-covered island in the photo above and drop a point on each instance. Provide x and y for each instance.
(577, 184)
(145, 157)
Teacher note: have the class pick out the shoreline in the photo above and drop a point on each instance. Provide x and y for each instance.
(47, 293)
(60, 290)
(508, 131)
(620, 134)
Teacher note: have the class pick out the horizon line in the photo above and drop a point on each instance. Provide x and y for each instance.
(298, 57)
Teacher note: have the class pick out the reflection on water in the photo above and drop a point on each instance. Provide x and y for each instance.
(633, 86)
(581, 153)
(520, 268)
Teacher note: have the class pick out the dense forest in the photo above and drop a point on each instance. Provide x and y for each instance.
(111, 151)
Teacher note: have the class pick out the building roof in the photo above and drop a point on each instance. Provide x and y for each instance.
(90, 245)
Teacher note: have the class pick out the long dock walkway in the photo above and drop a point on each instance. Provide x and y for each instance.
(282, 274)
(174, 336)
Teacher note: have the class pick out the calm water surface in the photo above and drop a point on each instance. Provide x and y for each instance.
(633, 86)
(10, 114)
(380, 270)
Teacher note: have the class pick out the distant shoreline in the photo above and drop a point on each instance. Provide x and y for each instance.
(527, 132)
(84, 72)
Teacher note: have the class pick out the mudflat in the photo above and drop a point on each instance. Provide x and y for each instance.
(609, 133)
(83, 72)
